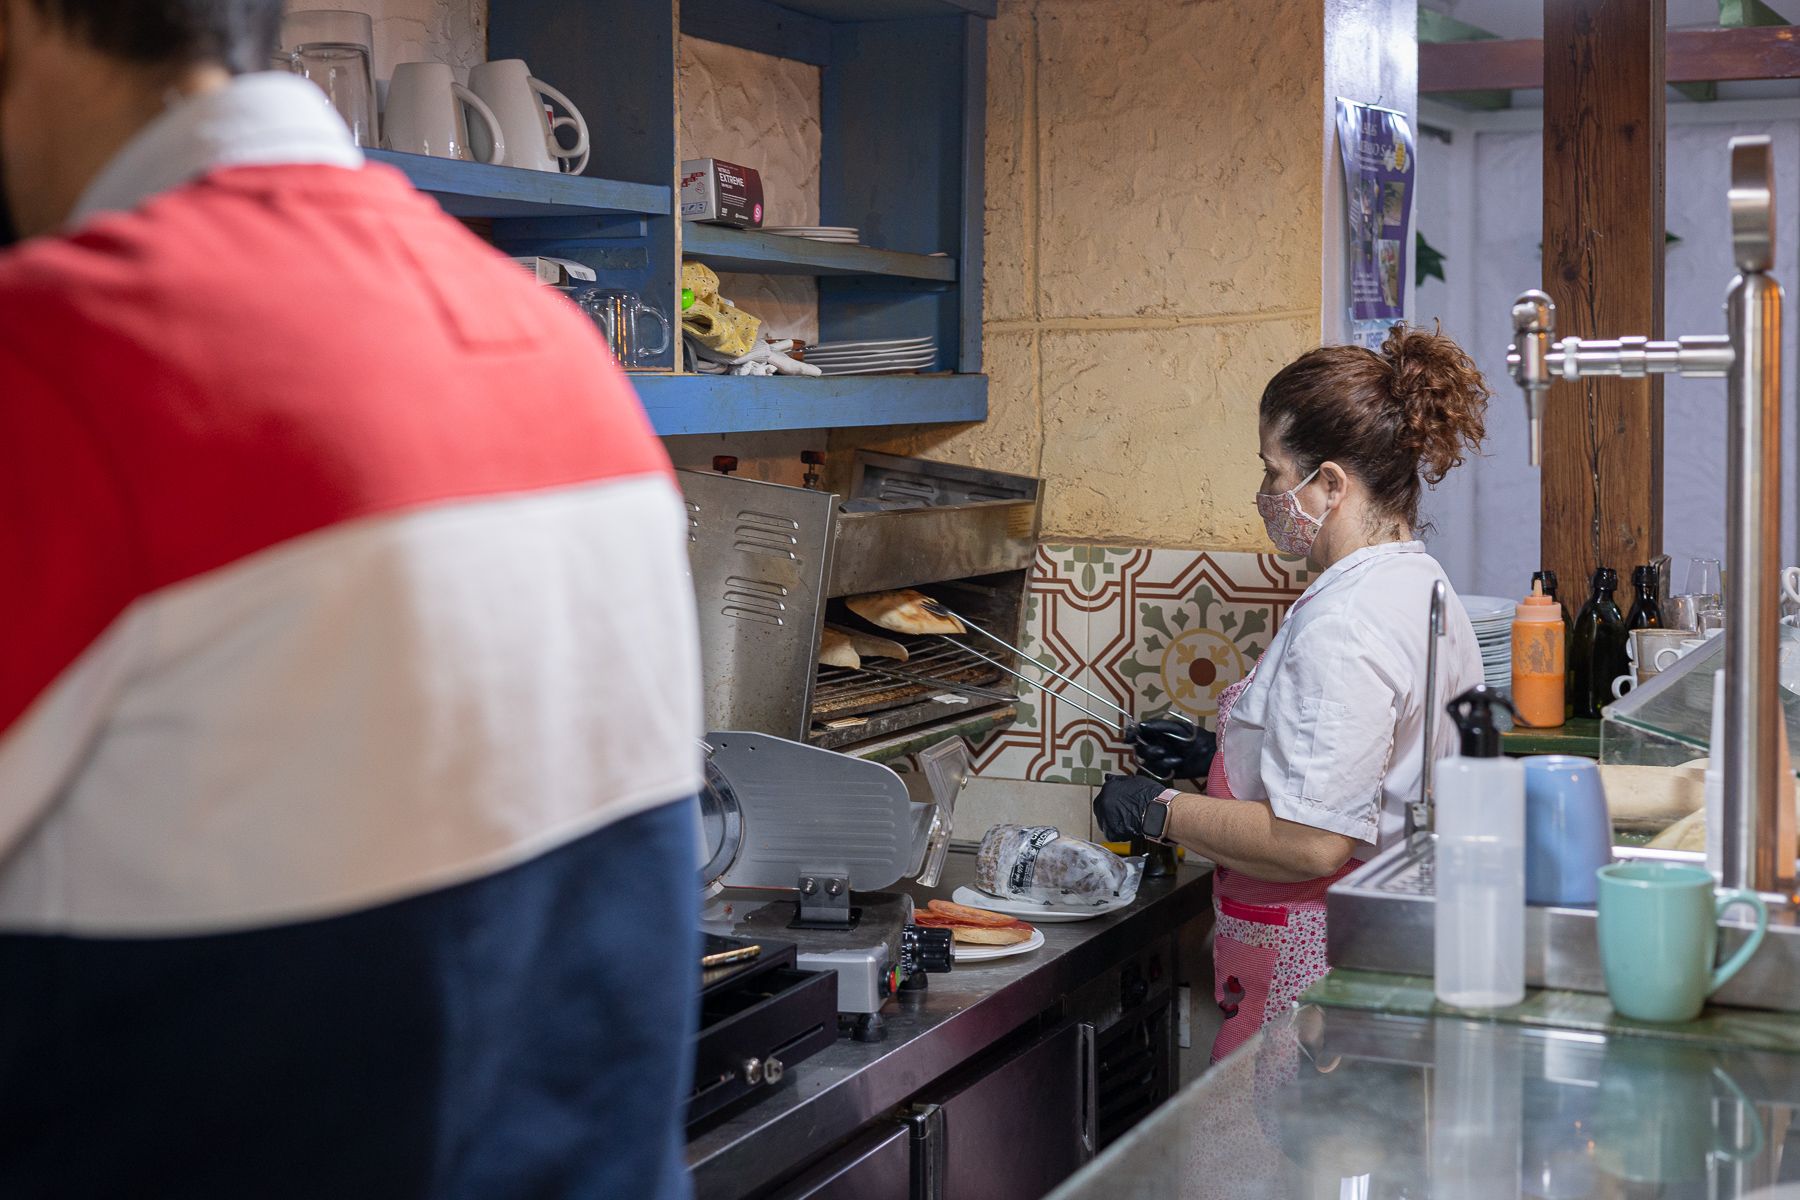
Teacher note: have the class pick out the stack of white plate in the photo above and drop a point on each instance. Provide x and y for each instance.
(873, 357)
(1492, 617)
(818, 233)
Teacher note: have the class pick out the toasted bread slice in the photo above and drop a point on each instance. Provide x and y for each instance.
(981, 935)
(872, 645)
(904, 611)
(974, 926)
(835, 649)
(971, 916)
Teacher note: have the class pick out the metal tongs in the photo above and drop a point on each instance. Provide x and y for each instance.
(1126, 721)
(1159, 858)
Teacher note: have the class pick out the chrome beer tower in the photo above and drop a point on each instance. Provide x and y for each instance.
(1748, 357)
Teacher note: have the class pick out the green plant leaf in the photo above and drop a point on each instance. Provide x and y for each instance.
(1428, 261)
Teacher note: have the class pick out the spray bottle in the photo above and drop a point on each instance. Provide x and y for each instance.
(1479, 941)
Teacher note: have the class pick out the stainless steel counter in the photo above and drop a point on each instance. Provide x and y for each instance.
(1341, 1103)
(970, 1009)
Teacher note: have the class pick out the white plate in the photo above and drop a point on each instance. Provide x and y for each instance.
(834, 364)
(968, 954)
(1485, 610)
(878, 352)
(876, 343)
(874, 356)
(852, 357)
(888, 370)
(1037, 912)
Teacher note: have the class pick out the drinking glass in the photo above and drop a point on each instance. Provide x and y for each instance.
(621, 317)
(335, 49)
(1703, 577)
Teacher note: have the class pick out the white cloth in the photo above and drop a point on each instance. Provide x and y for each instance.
(1331, 731)
(764, 358)
(254, 120)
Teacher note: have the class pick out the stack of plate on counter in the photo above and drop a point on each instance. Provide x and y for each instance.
(1492, 617)
(818, 233)
(873, 357)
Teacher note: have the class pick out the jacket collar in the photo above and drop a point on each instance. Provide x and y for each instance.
(1357, 558)
(266, 119)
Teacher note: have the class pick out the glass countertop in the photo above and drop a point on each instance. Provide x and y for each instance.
(1336, 1104)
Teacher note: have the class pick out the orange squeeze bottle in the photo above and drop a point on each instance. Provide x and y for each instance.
(1538, 662)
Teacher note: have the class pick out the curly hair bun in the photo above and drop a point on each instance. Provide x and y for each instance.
(1442, 397)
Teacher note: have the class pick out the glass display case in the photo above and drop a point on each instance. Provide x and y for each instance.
(1668, 721)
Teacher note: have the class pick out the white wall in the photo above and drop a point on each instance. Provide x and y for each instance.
(1480, 202)
(450, 31)
(1371, 56)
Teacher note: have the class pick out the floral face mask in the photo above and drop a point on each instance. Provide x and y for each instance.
(1291, 528)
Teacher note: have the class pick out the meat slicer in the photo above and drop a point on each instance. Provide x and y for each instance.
(798, 842)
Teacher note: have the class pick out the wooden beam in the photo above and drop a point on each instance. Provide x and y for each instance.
(1694, 56)
(1603, 265)
(1439, 27)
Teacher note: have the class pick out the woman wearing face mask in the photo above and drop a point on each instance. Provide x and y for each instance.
(1321, 747)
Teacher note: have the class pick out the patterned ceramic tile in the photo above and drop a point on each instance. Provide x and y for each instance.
(1146, 629)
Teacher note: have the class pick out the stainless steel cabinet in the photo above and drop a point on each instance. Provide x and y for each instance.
(1014, 1129)
(875, 1166)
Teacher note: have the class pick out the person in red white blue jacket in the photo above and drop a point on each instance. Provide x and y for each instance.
(349, 704)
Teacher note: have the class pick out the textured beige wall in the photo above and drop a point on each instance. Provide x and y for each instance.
(759, 111)
(1153, 255)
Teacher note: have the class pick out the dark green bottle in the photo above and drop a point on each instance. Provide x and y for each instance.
(1597, 652)
(1646, 610)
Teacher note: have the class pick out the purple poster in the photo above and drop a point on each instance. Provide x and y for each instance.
(1377, 148)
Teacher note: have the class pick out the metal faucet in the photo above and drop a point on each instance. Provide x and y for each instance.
(1422, 815)
(1749, 358)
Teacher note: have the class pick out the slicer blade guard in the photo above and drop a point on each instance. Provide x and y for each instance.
(796, 810)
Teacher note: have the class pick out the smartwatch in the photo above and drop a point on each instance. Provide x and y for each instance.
(1156, 816)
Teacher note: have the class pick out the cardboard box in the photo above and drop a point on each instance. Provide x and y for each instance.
(721, 193)
(557, 272)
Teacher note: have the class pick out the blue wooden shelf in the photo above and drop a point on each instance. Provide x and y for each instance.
(727, 249)
(888, 10)
(680, 404)
(470, 189)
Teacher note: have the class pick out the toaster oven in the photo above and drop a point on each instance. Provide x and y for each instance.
(773, 564)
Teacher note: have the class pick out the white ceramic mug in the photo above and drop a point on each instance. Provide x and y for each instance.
(1790, 584)
(518, 101)
(425, 115)
(1642, 647)
(1622, 685)
(1676, 653)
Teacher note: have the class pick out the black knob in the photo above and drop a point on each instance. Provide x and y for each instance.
(725, 464)
(924, 950)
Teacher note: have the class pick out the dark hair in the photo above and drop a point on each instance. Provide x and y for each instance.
(239, 35)
(1391, 419)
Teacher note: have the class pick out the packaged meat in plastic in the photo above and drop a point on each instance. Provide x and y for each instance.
(1037, 862)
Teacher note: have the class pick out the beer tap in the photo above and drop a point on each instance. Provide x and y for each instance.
(1756, 852)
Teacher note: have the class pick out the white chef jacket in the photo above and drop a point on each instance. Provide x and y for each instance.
(1331, 730)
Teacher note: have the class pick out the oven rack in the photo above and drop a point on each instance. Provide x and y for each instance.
(840, 692)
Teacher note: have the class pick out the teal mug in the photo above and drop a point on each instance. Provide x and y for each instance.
(1659, 934)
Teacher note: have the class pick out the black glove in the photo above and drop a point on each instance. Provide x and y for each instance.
(1174, 748)
(1121, 803)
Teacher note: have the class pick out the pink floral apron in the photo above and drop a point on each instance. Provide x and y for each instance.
(1269, 938)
